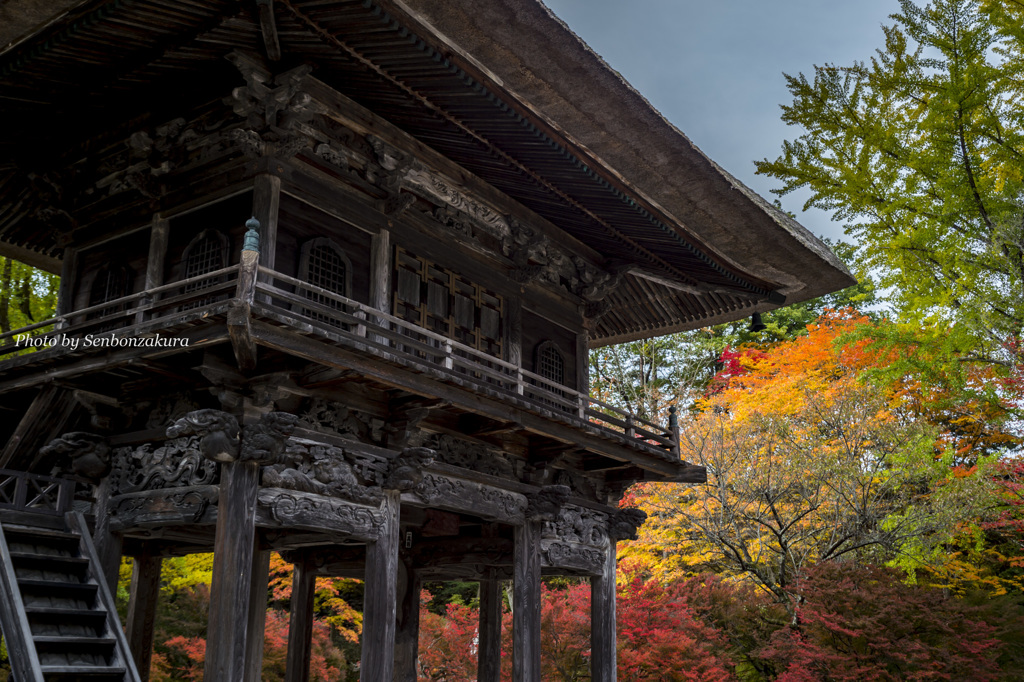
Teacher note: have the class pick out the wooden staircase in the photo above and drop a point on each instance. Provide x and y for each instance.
(57, 613)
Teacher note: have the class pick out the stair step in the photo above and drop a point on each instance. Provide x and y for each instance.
(58, 588)
(57, 539)
(72, 643)
(70, 673)
(63, 615)
(33, 531)
(48, 562)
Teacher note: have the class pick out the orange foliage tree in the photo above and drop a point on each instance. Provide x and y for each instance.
(811, 457)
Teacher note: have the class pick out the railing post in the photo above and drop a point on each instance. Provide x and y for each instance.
(520, 388)
(449, 363)
(360, 328)
(630, 430)
(66, 496)
(246, 288)
(582, 399)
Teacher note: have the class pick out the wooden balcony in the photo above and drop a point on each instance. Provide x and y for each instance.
(293, 316)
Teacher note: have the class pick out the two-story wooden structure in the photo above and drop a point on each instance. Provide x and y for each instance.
(330, 274)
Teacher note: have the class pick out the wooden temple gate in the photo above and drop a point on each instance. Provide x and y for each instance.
(330, 277)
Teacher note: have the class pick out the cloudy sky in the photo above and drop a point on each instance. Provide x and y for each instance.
(714, 67)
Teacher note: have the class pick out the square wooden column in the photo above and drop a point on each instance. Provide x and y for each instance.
(379, 606)
(300, 624)
(526, 603)
(407, 637)
(258, 586)
(232, 571)
(488, 667)
(602, 621)
(142, 603)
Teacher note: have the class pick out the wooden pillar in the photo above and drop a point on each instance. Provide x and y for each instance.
(488, 667)
(257, 616)
(380, 271)
(300, 623)
(232, 565)
(526, 603)
(108, 543)
(158, 233)
(66, 289)
(379, 603)
(602, 621)
(583, 363)
(266, 204)
(142, 602)
(514, 330)
(407, 636)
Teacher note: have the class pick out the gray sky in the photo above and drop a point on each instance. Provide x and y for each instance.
(714, 67)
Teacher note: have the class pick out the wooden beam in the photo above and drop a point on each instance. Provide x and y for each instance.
(488, 667)
(300, 623)
(379, 605)
(602, 621)
(526, 603)
(142, 601)
(257, 616)
(268, 26)
(40, 407)
(232, 563)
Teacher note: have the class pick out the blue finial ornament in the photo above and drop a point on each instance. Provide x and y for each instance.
(252, 235)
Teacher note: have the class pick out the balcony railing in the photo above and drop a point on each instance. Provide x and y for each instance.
(339, 320)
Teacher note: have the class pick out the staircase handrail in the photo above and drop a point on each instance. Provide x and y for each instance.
(21, 649)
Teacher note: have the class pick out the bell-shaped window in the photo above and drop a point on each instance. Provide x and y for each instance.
(550, 363)
(111, 283)
(208, 252)
(324, 265)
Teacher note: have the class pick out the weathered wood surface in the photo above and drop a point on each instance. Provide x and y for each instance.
(257, 616)
(297, 510)
(300, 623)
(602, 621)
(489, 647)
(14, 621)
(501, 407)
(454, 494)
(232, 564)
(408, 626)
(526, 603)
(142, 603)
(104, 595)
(166, 507)
(380, 589)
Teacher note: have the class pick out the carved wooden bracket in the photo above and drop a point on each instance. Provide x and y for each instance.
(406, 471)
(82, 454)
(218, 432)
(625, 523)
(547, 503)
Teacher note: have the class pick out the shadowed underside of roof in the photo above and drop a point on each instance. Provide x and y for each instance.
(121, 60)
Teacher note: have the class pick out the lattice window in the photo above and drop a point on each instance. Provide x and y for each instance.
(550, 363)
(110, 284)
(208, 252)
(324, 265)
(447, 303)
